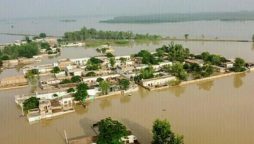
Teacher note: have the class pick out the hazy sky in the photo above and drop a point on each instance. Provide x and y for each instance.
(33, 8)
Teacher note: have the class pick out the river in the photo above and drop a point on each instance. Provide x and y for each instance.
(219, 111)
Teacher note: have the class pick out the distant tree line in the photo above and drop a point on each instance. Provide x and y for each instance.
(88, 34)
(15, 51)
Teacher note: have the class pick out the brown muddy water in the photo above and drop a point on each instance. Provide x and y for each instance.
(219, 111)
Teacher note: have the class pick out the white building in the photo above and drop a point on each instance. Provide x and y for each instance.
(158, 81)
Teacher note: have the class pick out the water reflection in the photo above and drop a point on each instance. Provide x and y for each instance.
(106, 103)
(143, 92)
(207, 85)
(238, 80)
(125, 99)
(177, 91)
(80, 110)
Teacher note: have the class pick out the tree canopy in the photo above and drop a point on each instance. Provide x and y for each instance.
(124, 84)
(177, 70)
(104, 86)
(162, 133)
(147, 57)
(111, 131)
(87, 34)
(15, 51)
(81, 92)
(30, 103)
(239, 65)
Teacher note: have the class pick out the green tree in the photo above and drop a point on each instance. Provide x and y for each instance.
(177, 52)
(56, 70)
(99, 79)
(111, 131)
(147, 73)
(123, 60)
(124, 84)
(147, 57)
(76, 79)
(162, 133)
(178, 71)
(30, 103)
(81, 92)
(42, 35)
(112, 61)
(239, 65)
(109, 55)
(70, 90)
(104, 86)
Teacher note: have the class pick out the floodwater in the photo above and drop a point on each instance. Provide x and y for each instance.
(197, 29)
(218, 111)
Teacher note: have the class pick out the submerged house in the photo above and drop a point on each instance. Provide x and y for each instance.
(51, 108)
(13, 81)
(157, 81)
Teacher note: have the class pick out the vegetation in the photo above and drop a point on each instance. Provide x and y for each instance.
(45, 45)
(88, 34)
(76, 79)
(212, 58)
(239, 65)
(42, 35)
(30, 103)
(112, 62)
(199, 71)
(81, 92)
(65, 81)
(124, 84)
(93, 64)
(56, 70)
(90, 74)
(104, 86)
(147, 73)
(180, 17)
(111, 131)
(176, 52)
(14, 51)
(109, 55)
(162, 133)
(99, 79)
(253, 37)
(177, 70)
(147, 57)
(70, 90)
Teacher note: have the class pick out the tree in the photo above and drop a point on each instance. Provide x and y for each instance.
(112, 61)
(99, 79)
(45, 45)
(76, 79)
(162, 133)
(111, 131)
(90, 74)
(81, 92)
(124, 84)
(70, 90)
(104, 86)
(186, 36)
(42, 35)
(147, 57)
(123, 60)
(239, 65)
(177, 52)
(178, 71)
(147, 73)
(109, 55)
(30, 103)
(56, 70)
